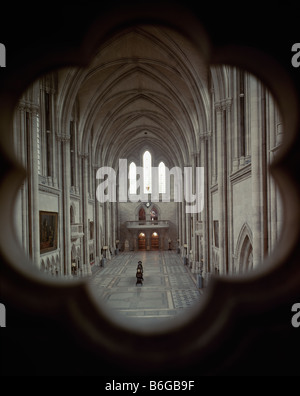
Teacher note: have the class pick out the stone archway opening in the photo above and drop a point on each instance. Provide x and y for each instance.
(154, 214)
(142, 241)
(154, 241)
(142, 214)
(246, 256)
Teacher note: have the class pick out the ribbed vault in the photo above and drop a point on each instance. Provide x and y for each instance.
(147, 86)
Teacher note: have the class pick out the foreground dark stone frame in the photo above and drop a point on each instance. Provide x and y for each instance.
(54, 328)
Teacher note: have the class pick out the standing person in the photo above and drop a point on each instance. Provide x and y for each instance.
(139, 277)
(140, 266)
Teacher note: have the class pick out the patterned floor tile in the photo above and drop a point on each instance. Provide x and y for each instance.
(167, 290)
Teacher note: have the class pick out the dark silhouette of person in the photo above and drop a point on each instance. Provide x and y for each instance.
(139, 277)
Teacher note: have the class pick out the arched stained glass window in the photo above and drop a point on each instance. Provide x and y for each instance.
(162, 178)
(154, 214)
(142, 214)
(147, 165)
(132, 178)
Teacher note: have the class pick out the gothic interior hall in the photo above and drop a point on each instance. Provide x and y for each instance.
(149, 99)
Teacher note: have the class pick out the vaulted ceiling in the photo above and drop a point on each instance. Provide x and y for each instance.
(147, 87)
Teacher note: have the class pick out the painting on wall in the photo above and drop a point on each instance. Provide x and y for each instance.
(48, 231)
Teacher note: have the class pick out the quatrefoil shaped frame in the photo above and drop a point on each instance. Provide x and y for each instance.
(227, 300)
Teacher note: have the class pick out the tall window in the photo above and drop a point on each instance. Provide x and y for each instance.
(147, 165)
(38, 144)
(154, 214)
(132, 178)
(162, 178)
(142, 214)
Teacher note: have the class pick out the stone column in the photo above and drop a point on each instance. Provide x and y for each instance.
(43, 145)
(113, 218)
(97, 220)
(34, 188)
(49, 141)
(280, 211)
(213, 141)
(188, 230)
(135, 241)
(179, 224)
(22, 145)
(220, 158)
(188, 221)
(162, 235)
(194, 215)
(61, 234)
(85, 220)
(65, 213)
(235, 125)
(148, 239)
(76, 170)
(183, 226)
(204, 216)
(227, 187)
(107, 228)
(53, 151)
(255, 131)
(272, 187)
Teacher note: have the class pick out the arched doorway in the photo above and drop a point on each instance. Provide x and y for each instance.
(244, 251)
(142, 214)
(154, 214)
(142, 241)
(246, 257)
(155, 241)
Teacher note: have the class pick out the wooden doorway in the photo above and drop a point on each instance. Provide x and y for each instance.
(142, 241)
(155, 241)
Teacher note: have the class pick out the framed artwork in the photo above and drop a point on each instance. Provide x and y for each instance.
(48, 231)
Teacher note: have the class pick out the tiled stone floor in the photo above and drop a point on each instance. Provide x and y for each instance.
(168, 288)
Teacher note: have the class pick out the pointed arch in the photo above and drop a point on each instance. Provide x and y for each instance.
(142, 214)
(162, 177)
(139, 211)
(154, 241)
(142, 241)
(132, 178)
(154, 213)
(244, 250)
(147, 165)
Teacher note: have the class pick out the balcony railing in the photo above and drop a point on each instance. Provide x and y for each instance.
(147, 224)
